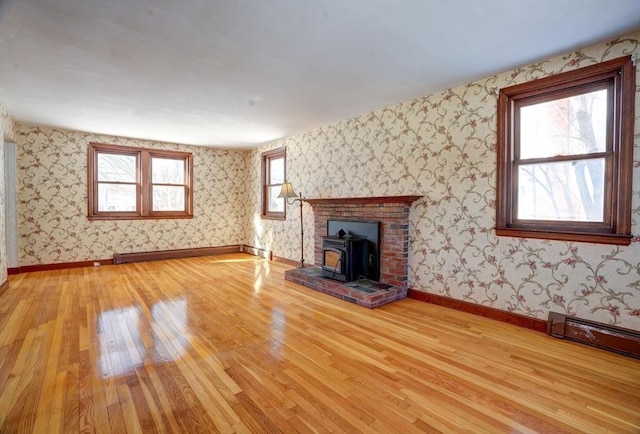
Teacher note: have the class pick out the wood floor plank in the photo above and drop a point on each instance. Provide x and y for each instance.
(225, 344)
(157, 400)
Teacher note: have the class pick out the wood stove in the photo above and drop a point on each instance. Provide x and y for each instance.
(344, 257)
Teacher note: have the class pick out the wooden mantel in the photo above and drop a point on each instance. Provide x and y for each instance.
(363, 200)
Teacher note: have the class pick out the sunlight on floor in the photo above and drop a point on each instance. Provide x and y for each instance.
(122, 336)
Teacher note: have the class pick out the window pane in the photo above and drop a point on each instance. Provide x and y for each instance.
(167, 171)
(114, 167)
(567, 126)
(274, 203)
(276, 172)
(116, 197)
(167, 198)
(571, 191)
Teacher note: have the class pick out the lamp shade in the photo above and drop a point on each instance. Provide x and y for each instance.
(287, 191)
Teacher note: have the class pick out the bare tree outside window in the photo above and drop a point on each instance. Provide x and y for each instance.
(565, 155)
(167, 177)
(570, 190)
(117, 182)
(130, 183)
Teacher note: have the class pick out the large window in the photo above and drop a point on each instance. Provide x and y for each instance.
(565, 155)
(273, 176)
(131, 183)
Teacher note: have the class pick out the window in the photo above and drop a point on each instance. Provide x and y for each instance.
(273, 176)
(565, 155)
(133, 183)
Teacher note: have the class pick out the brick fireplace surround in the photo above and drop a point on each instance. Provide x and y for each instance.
(393, 214)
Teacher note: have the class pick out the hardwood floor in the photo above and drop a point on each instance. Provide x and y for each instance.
(225, 344)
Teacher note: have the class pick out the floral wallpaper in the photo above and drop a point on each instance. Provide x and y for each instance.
(52, 196)
(443, 147)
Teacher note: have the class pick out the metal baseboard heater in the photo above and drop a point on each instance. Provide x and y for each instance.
(605, 336)
(124, 258)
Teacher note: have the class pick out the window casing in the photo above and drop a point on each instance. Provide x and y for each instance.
(137, 183)
(565, 155)
(273, 176)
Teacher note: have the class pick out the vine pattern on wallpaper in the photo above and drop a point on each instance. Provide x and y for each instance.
(52, 205)
(443, 147)
(537, 276)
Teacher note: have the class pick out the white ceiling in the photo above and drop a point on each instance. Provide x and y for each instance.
(241, 73)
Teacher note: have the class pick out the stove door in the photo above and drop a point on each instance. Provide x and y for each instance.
(333, 263)
(332, 260)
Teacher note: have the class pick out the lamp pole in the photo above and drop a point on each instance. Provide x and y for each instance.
(287, 193)
(301, 234)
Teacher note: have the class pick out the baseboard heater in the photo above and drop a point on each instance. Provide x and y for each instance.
(605, 336)
(257, 251)
(124, 258)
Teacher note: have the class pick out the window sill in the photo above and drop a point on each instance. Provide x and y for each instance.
(273, 217)
(152, 217)
(617, 239)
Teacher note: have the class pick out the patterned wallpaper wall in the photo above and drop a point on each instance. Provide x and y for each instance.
(52, 195)
(443, 147)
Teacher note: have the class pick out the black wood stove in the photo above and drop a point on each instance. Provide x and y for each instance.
(344, 258)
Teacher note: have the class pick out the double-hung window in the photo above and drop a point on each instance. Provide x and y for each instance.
(565, 155)
(273, 176)
(132, 183)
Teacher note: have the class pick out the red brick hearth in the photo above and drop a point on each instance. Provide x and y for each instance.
(393, 214)
(368, 294)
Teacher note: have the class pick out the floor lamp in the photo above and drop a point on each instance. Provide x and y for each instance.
(287, 193)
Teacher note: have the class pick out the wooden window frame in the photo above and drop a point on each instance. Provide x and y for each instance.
(619, 74)
(144, 184)
(266, 159)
